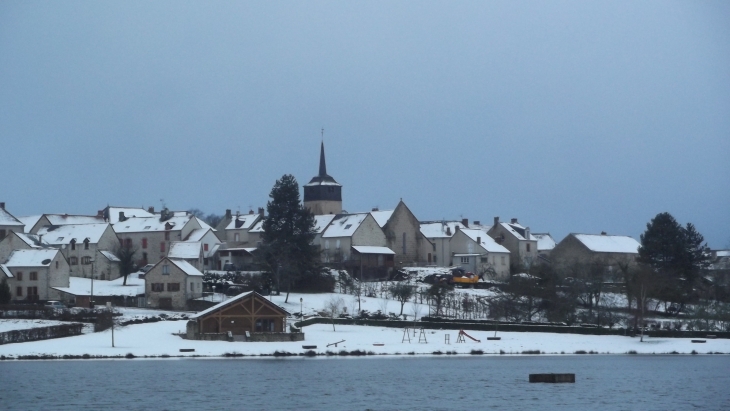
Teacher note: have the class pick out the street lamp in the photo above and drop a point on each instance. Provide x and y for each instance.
(91, 300)
(301, 311)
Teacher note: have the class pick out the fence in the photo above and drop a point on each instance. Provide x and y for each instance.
(40, 333)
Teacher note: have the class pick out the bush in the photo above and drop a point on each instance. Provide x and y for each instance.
(531, 352)
(477, 352)
(581, 352)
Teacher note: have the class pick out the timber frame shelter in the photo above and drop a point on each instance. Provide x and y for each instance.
(248, 312)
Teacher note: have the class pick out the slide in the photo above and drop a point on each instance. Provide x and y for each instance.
(467, 335)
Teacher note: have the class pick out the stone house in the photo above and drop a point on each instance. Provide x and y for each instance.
(81, 244)
(209, 244)
(403, 234)
(152, 236)
(190, 251)
(248, 317)
(20, 241)
(608, 250)
(475, 251)
(113, 214)
(347, 230)
(438, 234)
(171, 283)
(517, 239)
(32, 274)
(234, 229)
(8, 223)
(545, 246)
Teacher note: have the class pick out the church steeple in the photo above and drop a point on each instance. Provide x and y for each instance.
(322, 164)
(323, 195)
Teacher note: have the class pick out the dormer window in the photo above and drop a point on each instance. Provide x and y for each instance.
(147, 227)
(59, 239)
(348, 226)
(86, 244)
(73, 243)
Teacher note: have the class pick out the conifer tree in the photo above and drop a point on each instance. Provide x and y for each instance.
(5, 295)
(288, 235)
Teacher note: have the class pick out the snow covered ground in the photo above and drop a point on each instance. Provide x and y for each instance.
(21, 324)
(158, 339)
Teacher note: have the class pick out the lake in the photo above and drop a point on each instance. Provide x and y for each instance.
(603, 382)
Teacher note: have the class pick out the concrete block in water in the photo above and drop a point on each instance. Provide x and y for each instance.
(552, 378)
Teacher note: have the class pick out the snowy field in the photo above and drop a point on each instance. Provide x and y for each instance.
(159, 339)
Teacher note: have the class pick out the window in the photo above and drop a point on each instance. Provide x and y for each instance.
(192, 286)
(465, 260)
(144, 257)
(2, 234)
(236, 237)
(165, 269)
(86, 244)
(56, 264)
(158, 287)
(32, 293)
(434, 246)
(205, 247)
(326, 244)
(144, 243)
(33, 276)
(18, 291)
(527, 247)
(128, 243)
(173, 286)
(73, 261)
(85, 260)
(348, 226)
(337, 244)
(162, 247)
(435, 260)
(73, 243)
(19, 275)
(503, 263)
(485, 260)
(167, 236)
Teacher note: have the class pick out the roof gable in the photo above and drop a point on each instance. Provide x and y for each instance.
(238, 299)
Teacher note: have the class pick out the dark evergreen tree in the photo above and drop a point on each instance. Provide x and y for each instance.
(676, 254)
(5, 295)
(287, 247)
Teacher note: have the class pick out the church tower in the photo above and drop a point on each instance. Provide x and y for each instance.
(323, 195)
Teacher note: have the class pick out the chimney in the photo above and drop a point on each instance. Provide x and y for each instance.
(476, 222)
(250, 211)
(479, 240)
(496, 221)
(448, 231)
(2, 205)
(603, 233)
(228, 213)
(121, 216)
(527, 233)
(514, 221)
(261, 212)
(100, 214)
(375, 209)
(465, 222)
(151, 210)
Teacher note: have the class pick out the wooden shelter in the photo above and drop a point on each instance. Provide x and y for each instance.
(248, 312)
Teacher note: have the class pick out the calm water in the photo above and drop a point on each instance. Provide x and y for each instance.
(393, 383)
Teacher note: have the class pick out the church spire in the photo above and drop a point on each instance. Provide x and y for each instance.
(322, 164)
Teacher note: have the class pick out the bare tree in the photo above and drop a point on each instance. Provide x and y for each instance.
(333, 307)
(402, 293)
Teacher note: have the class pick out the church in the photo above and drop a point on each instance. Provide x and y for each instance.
(323, 195)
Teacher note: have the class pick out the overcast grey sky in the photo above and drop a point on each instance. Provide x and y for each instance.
(571, 116)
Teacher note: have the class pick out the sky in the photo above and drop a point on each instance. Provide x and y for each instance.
(571, 116)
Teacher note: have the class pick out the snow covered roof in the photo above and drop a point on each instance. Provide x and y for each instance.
(366, 249)
(5, 270)
(186, 267)
(63, 234)
(545, 241)
(30, 220)
(344, 225)
(109, 256)
(31, 258)
(198, 234)
(64, 219)
(382, 217)
(259, 227)
(148, 224)
(517, 230)
(438, 229)
(321, 222)
(128, 213)
(722, 253)
(243, 221)
(8, 219)
(233, 300)
(485, 241)
(33, 240)
(82, 286)
(609, 243)
(184, 249)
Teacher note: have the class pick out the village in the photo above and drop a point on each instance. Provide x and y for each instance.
(142, 263)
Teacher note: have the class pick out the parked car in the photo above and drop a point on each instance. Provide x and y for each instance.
(146, 268)
(55, 304)
(229, 267)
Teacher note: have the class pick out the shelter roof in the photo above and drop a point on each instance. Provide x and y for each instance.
(236, 299)
(366, 249)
